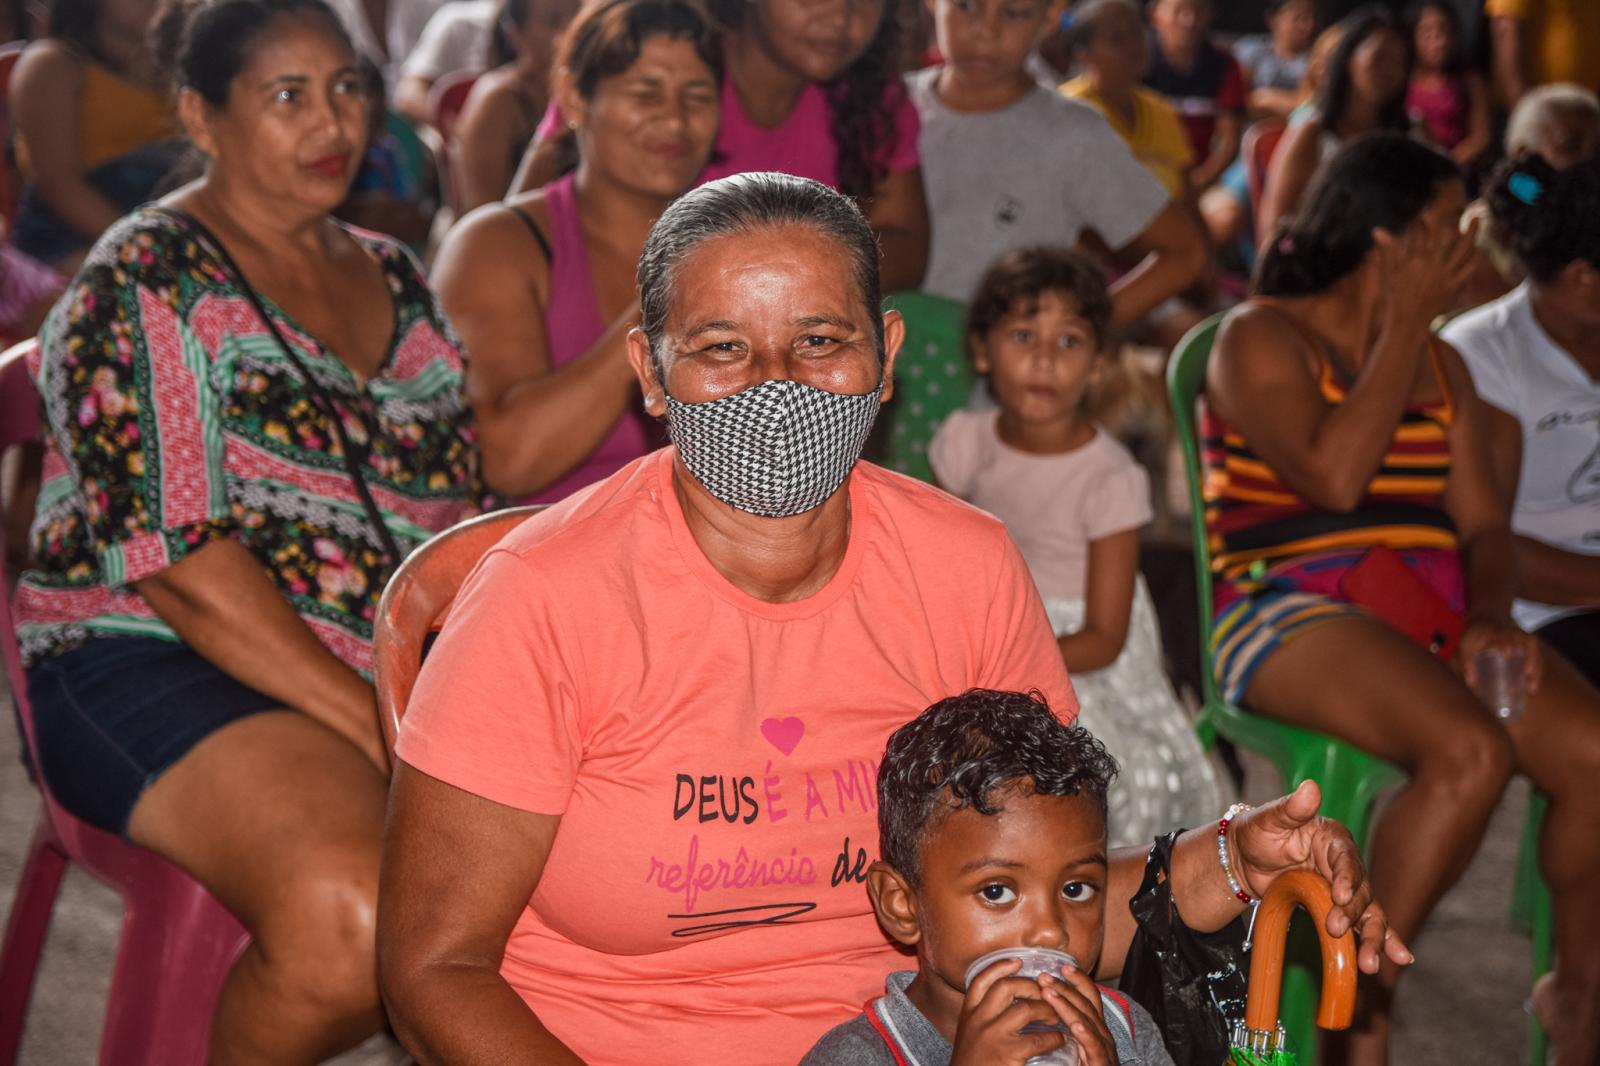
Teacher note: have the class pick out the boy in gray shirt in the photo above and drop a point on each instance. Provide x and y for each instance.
(1008, 162)
(993, 822)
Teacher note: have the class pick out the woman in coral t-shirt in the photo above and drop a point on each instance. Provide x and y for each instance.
(634, 805)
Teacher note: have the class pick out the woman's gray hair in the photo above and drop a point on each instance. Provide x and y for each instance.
(1538, 106)
(746, 203)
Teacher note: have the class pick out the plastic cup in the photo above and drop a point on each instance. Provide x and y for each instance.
(1035, 962)
(1502, 681)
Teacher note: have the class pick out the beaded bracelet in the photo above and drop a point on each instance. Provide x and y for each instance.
(1222, 853)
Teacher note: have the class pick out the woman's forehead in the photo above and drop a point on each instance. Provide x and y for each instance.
(788, 272)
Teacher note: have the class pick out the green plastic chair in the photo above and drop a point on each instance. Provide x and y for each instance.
(932, 379)
(1350, 779)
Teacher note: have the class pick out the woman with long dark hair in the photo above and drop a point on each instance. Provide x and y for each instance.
(541, 286)
(1360, 528)
(812, 89)
(1363, 91)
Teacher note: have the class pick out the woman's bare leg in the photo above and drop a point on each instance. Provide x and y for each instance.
(281, 819)
(1361, 681)
(1558, 746)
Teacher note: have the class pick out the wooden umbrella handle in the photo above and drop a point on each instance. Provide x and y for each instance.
(1300, 888)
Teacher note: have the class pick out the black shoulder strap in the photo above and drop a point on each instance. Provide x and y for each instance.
(533, 228)
(352, 462)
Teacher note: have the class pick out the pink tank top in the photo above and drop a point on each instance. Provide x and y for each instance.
(572, 323)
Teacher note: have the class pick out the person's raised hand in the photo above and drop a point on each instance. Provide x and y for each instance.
(1076, 1002)
(1423, 270)
(1288, 834)
(998, 1005)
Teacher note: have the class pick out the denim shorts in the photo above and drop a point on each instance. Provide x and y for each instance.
(114, 714)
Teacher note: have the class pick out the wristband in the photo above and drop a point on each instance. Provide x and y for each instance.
(1222, 854)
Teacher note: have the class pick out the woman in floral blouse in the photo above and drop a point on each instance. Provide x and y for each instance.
(254, 412)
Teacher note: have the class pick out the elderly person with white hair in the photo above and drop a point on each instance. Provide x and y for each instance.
(1559, 122)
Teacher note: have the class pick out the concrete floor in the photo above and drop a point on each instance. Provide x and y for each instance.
(1462, 1003)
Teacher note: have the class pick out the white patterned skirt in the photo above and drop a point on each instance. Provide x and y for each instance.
(1166, 780)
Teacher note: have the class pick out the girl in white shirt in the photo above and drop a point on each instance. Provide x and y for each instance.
(1074, 500)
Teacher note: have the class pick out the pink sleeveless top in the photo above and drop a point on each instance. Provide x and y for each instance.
(572, 323)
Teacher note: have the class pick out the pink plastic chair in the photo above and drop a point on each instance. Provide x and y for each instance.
(416, 599)
(178, 943)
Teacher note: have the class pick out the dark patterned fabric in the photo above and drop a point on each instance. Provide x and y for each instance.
(175, 419)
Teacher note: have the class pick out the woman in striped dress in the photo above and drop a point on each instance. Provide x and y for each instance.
(1336, 425)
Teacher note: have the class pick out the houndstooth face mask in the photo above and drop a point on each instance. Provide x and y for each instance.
(775, 449)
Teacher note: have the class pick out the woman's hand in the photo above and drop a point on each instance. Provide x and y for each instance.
(1288, 834)
(997, 1007)
(1423, 269)
(1484, 635)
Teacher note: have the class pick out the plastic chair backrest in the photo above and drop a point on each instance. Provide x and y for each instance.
(1186, 383)
(932, 378)
(19, 402)
(1260, 142)
(446, 99)
(416, 599)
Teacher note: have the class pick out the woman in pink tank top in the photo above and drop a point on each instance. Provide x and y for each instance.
(541, 287)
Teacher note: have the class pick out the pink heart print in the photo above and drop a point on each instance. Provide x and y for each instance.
(783, 733)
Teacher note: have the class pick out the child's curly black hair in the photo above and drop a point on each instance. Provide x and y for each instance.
(968, 750)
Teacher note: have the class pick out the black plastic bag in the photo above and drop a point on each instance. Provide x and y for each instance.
(1192, 983)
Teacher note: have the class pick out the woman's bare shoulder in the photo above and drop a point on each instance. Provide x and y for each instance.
(496, 237)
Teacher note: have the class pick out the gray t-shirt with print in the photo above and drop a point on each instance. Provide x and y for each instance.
(1064, 170)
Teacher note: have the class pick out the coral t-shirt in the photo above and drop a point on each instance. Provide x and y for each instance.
(713, 756)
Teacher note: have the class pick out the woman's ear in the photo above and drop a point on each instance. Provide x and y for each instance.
(195, 116)
(644, 367)
(978, 345)
(895, 901)
(894, 338)
(574, 109)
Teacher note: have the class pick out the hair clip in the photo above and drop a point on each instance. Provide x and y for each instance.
(1286, 244)
(1525, 187)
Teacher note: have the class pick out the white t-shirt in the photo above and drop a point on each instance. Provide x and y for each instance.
(1519, 369)
(1052, 505)
(1064, 170)
(456, 38)
(406, 19)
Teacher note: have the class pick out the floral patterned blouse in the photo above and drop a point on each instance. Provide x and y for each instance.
(175, 419)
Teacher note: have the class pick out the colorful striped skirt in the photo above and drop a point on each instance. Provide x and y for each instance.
(1259, 611)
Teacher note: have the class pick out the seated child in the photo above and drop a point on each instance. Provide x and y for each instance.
(1074, 500)
(1275, 62)
(1449, 99)
(1108, 39)
(992, 815)
(1202, 80)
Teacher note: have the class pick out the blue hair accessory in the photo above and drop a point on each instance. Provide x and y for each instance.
(1066, 19)
(1525, 187)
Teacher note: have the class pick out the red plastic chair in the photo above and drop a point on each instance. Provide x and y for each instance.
(445, 100)
(1260, 142)
(416, 599)
(178, 943)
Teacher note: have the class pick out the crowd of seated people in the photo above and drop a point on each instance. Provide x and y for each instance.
(299, 309)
